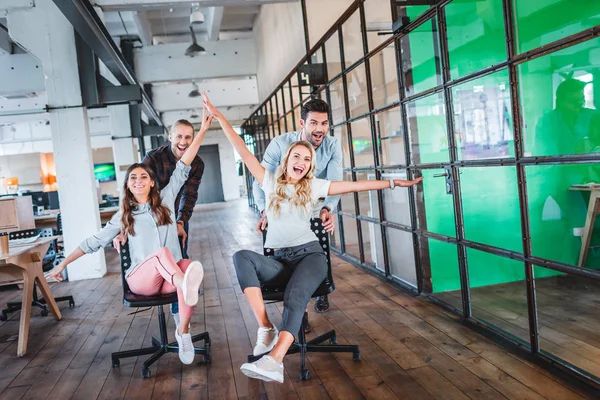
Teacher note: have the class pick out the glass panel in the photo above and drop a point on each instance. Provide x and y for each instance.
(295, 93)
(559, 98)
(410, 11)
(483, 118)
(341, 133)
(569, 329)
(420, 59)
(401, 255)
(351, 236)
(378, 16)
(280, 107)
(427, 130)
(435, 208)
(391, 137)
(353, 44)
(384, 77)
(357, 91)
(333, 237)
(558, 210)
(475, 31)
(367, 200)
(492, 216)
(290, 122)
(332, 52)
(297, 117)
(396, 207)
(542, 22)
(370, 233)
(347, 199)
(498, 292)
(336, 95)
(441, 276)
(362, 143)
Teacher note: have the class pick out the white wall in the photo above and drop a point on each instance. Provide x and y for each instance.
(322, 14)
(229, 177)
(279, 36)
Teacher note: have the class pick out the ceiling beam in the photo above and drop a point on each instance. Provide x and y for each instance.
(213, 25)
(143, 27)
(235, 115)
(6, 46)
(87, 23)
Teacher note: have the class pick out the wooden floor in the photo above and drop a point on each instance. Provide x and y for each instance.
(568, 315)
(411, 349)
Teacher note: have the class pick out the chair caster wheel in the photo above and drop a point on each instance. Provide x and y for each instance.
(116, 362)
(305, 375)
(71, 303)
(333, 340)
(44, 313)
(207, 359)
(146, 372)
(3, 317)
(355, 356)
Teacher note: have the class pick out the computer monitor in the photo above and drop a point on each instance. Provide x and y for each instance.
(105, 172)
(39, 199)
(53, 200)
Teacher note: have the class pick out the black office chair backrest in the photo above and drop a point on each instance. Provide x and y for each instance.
(327, 286)
(125, 259)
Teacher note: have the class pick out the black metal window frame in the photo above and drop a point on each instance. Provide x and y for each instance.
(519, 161)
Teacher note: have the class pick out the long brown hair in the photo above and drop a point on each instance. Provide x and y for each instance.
(161, 212)
(302, 197)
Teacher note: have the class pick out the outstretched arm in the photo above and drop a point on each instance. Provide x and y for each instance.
(341, 187)
(190, 152)
(257, 170)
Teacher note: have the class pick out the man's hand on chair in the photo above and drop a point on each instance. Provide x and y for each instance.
(181, 232)
(119, 240)
(261, 225)
(327, 218)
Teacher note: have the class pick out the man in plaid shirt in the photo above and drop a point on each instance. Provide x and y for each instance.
(162, 161)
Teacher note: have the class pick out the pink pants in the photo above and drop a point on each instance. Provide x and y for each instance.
(154, 275)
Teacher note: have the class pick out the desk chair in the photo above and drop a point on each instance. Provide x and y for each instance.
(276, 293)
(159, 346)
(47, 264)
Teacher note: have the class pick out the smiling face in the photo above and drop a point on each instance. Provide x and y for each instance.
(315, 127)
(181, 137)
(299, 163)
(139, 183)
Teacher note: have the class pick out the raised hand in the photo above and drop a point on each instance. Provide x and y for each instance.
(403, 183)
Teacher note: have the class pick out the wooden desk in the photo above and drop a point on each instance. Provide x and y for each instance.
(592, 213)
(25, 263)
(49, 218)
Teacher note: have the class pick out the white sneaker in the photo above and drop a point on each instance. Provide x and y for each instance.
(186, 347)
(191, 282)
(265, 340)
(176, 318)
(265, 368)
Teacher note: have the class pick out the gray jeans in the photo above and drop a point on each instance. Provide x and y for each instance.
(303, 267)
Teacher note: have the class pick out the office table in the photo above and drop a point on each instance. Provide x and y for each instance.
(592, 213)
(49, 217)
(24, 262)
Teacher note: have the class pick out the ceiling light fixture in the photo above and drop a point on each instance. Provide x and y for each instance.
(194, 49)
(195, 92)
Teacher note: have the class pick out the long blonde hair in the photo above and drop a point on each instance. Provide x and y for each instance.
(302, 196)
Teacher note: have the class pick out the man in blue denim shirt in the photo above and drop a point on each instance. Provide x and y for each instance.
(314, 121)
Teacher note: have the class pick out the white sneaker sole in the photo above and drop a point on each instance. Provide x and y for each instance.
(191, 282)
(252, 372)
(268, 348)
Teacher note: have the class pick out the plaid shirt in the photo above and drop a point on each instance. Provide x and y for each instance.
(163, 162)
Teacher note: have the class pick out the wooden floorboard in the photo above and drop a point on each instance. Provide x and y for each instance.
(410, 347)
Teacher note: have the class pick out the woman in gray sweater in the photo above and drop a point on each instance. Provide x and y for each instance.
(147, 220)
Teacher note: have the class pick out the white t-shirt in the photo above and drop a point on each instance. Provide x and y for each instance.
(291, 227)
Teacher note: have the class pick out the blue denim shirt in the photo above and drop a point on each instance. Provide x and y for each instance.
(329, 164)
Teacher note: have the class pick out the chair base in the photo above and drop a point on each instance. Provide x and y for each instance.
(13, 306)
(316, 346)
(161, 346)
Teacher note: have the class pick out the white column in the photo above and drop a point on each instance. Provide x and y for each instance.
(48, 35)
(124, 152)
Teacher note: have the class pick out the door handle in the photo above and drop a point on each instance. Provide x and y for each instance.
(445, 174)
